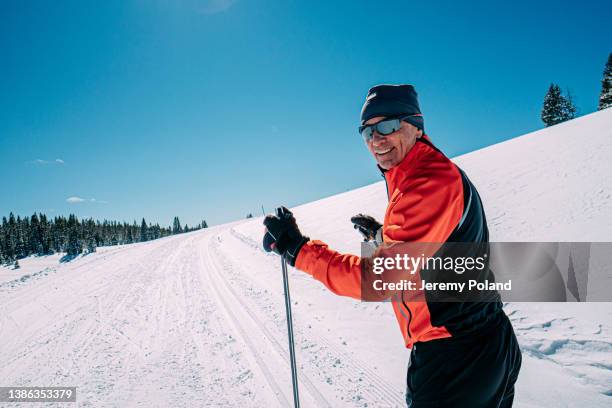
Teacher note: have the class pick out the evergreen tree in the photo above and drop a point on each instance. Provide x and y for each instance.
(158, 233)
(135, 231)
(553, 105)
(176, 226)
(605, 97)
(4, 234)
(58, 234)
(46, 237)
(35, 236)
(91, 245)
(568, 109)
(21, 247)
(557, 108)
(74, 246)
(204, 224)
(144, 236)
(98, 236)
(11, 239)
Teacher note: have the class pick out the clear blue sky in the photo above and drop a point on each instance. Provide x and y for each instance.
(209, 109)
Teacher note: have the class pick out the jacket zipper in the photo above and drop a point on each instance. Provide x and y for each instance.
(409, 316)
(404, 303)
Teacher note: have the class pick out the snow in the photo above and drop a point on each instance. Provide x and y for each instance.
(198, 319)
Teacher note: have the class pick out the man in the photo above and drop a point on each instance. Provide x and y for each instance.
(463, 354)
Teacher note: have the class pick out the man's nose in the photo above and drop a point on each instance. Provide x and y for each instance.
(377, 138)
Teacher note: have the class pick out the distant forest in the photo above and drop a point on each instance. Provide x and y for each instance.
(40, 235)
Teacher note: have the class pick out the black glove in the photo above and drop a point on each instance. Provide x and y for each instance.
(367, 225)
(283, 235)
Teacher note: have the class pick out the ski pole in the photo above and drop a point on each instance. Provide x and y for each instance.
(294, 379)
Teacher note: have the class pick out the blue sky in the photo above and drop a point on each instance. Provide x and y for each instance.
(210, 109)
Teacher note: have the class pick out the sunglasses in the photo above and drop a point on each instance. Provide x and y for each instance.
(383, 128)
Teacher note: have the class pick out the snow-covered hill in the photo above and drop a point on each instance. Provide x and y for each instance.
(198, 319)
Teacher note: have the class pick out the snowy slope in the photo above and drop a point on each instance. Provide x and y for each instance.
(198, 319)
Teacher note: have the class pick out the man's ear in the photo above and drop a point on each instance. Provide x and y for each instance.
(419, 134)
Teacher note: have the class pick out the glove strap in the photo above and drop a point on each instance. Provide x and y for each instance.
(292, 253)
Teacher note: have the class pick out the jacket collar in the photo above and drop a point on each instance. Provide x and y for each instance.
(416, 153)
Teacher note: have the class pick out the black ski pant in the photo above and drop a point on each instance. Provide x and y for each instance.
(475, 371)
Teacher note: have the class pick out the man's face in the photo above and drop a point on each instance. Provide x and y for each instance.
(390, 150)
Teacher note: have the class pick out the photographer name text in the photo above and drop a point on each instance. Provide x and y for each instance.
(471, 284)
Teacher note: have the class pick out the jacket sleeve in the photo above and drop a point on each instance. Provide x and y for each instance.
(340, 273)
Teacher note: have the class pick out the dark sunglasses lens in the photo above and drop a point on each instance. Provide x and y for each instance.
(366, 132)
(386, 127)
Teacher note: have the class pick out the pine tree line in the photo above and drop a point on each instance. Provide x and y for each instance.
(559, 108)
(38, 235)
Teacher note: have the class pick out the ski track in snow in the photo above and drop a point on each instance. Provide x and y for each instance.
(332, 362)
(249, 326)
(356, 379)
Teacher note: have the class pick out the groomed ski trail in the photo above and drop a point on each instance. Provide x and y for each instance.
(161, 324)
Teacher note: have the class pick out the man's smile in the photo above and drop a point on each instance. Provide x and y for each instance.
(383, 152)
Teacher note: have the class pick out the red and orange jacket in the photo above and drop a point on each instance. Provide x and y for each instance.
(430, 200)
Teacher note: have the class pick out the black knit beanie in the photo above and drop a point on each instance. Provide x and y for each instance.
(393, 101)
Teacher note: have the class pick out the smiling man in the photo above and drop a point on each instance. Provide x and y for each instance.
(463, 354)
